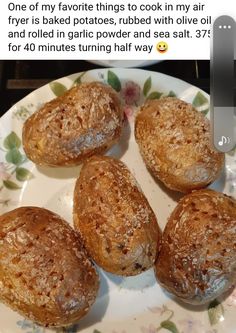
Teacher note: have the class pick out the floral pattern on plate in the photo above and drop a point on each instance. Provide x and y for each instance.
(12, 172)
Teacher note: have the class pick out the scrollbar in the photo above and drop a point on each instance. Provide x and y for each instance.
(222, 83)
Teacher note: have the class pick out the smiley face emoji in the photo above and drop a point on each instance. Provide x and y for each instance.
(162, 47)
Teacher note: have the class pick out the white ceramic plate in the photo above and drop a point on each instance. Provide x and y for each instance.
(124, 305)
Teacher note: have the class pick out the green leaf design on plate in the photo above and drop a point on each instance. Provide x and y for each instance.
(199, 100)
(11, 185)
(215, 312)
(22, 113)
(171, 94)
(113, 81)
(96, 331)
(154, 95)
(147, 86)
(78, 80)
(14, 156)
(57, 88)
(23, 174)
(170, 326)
(12, 141)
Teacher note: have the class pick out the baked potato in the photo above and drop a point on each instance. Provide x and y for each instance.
(197, 260)
(174, 141)
(45, 273)
(86, 120)
(114, 219)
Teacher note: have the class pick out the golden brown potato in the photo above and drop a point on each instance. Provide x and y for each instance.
(45, 274)
(86, 120)
(174, 141)
(197, 260)
(114, 219)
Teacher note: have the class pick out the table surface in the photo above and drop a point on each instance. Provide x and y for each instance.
(19, 78)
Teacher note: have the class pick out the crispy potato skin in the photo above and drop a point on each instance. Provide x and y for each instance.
(86, 120)
(45, 274)
(197, 260)
(174, 141)
(114, 219)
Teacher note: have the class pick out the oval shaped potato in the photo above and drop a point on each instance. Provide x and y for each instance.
(197, 260)
(174, 141)
(114, 219)
(45, 274)
(86, 120)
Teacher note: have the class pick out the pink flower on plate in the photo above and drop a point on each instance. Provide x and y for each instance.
(150, 329)
(131, 93)
(3, 172)
(128, 110)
